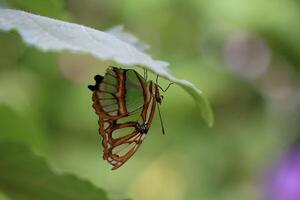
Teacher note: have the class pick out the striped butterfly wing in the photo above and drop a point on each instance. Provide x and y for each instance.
(123, 148)
(125, 104)
(118, 94)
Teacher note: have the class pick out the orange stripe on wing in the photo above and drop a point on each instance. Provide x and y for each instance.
(120, 95)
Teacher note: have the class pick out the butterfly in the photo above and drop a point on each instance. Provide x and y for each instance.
(125, 103)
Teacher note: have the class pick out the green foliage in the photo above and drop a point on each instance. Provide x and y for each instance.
(26, 131)
(203, 105)
(26, 176)
(3, 196)
(46, 106)
(50, 8)
(14, 49)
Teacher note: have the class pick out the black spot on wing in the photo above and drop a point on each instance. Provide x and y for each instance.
(98, 78)
(92, 87)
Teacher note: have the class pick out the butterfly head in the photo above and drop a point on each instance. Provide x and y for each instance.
(158, 96)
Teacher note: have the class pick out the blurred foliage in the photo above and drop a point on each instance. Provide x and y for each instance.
(45, 103)
(29, 133)
(51, 8)
(24, 176)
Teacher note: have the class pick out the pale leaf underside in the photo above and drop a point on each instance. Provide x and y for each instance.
(56, 35)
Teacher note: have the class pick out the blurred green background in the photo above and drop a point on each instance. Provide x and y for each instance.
(244, 54)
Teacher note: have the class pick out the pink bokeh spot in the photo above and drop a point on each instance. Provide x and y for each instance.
(284, 180)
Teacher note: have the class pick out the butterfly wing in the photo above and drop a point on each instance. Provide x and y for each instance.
(118, 151)
(121, 94)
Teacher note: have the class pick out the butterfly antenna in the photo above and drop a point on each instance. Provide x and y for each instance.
(161, 122)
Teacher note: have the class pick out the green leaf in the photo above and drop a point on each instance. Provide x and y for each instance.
(201, 100)
(56, 35)
(26, 176)
(20, 128)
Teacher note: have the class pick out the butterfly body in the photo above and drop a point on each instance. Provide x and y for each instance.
(142, 128)
(117, 97)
